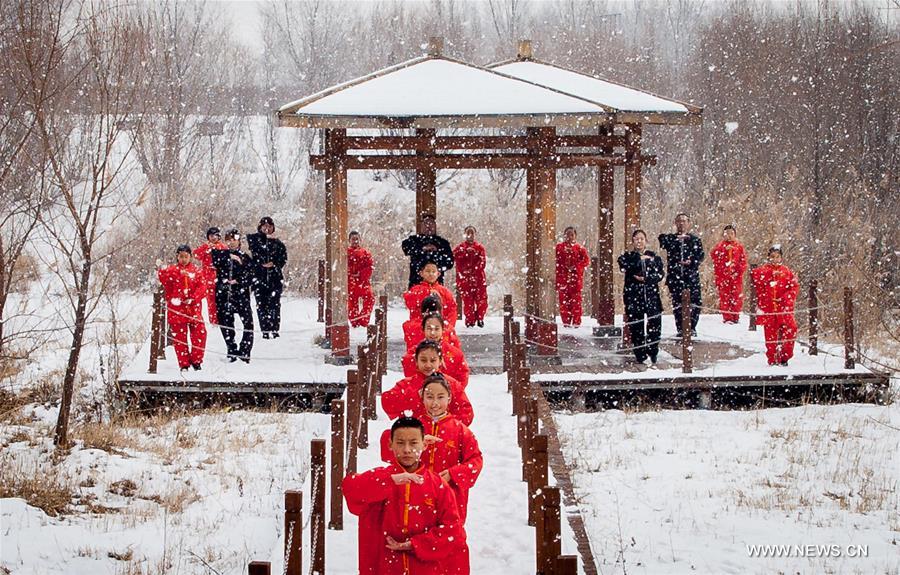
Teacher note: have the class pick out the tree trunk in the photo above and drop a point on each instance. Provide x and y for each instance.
(61, 437)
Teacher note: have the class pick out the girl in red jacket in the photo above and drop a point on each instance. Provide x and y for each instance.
(471, 285)
(185, 287)
(776, 291)
(429, 285)
(571, 260)
(408, 516)
(453, 362)
(405, 395)
(412, 328)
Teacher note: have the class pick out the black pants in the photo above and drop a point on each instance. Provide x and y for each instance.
(644, 339)
(226, 310)
(696, 302)
(268, 308)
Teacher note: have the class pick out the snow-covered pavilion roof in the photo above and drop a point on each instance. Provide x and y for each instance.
(627, 104)
(438, 92)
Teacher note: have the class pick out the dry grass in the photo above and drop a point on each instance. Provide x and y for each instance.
(44, 487)
(108, 437)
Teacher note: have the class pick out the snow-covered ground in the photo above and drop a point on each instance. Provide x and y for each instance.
(660, 491)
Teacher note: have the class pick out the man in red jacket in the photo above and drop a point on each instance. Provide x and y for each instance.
(776, 291)
(185, 288)
(359, 282)
(571, 259)
(730, 263)
(471, 285)
(408, 517)
(203, 254)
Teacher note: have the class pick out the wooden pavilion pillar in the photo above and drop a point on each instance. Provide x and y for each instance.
(337, 328)
(540, 234)
(633, 167)
(605, 259)
(426, 187)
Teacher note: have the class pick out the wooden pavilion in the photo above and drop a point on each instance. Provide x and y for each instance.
(533, 100)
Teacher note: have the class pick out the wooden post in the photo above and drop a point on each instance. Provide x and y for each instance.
(426, 186)
(372, 357)
(163, 326)
(362, 395)
(321, 291)
(539, 533)
(259, 568)
(595, 287)
(552, 524)
(336, 256)
(155, 325)
(331, 151)
(538, 473)
(753, 301)
(633, 168)
(507, 319)
(540, 285)
(605, 229)
(687, 356)
(383, 304)
(293, 531)
(813, 317)
(317, 521)
(337, 465)
(849, 361)
(352, 419)
(566, 565)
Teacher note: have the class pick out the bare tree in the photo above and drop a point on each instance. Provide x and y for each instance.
(96, 86)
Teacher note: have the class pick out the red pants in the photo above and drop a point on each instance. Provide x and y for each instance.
(781, 332)
(211, 303)
(474, 303)
(359, 305)
(570, 305)
(181, 328)
(731, 299)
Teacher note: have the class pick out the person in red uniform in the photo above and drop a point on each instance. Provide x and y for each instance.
(730, 264)
(184, 286)
(360, 299)
(453, 362)
(471, 285)
(408, 516)
(776, 291)
(203, 254)
(404, 396)
(571, 259)
(413, 333)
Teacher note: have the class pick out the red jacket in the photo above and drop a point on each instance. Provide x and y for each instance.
(454, 363)
(417, 294)
(729, 261)
(776, 289)
(426, 514)
(404, 396)
(458, 453)
(470, 259)
(203, 253)
(571, 259)
(184, 287)
(359, 267)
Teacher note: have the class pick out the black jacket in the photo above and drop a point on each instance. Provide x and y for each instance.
(228, 269)
(442, 256)
(690, 249)
(641, 296)
(265, 250)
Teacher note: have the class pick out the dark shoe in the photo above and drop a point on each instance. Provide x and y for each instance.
(185, 368)
(653, 359)
(265, 335)
(196, 366)
(275, 334)
(470, 324)
(245, 359)
(231, 359)
(784, 363)
(480, 323)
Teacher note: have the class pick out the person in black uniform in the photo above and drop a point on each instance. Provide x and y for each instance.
(643, 271)
(269, 257)
(234, 276)
(427, 247)
(685, 253)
